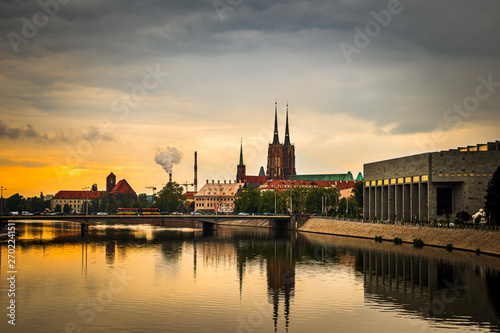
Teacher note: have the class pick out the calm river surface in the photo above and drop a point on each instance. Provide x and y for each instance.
(155, 279)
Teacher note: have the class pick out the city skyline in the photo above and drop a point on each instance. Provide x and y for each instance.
(89, 89)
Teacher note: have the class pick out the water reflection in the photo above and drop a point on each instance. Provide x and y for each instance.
(446, 290)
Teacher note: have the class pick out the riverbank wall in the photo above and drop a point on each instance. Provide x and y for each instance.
(464, 239)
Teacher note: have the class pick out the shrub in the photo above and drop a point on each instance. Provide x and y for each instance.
(449, 247)
(378, 239)
(418, 243)
(478, 251)
(398, 241)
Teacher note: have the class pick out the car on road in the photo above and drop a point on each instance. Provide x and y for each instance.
(195, 213)
(102, 213)
(244, 214)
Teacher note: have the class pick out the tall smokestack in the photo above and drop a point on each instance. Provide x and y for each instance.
(195, 172)
(170, 177)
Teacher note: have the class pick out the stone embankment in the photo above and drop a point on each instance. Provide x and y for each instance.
(486, 241)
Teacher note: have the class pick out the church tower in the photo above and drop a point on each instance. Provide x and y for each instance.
(110, 182)
(275, 152)
(288, 152)
(241, 169)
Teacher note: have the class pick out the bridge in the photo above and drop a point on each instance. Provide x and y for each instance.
(209, 222)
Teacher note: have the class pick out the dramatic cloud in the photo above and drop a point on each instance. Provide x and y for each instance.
(409, 70)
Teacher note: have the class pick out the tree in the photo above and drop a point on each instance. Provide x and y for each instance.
(67, 208)
(247, 201)
(358, 194)
(94, 187)
(266, 202)
(16, 203)
(170, 198)
(492, 198)
(57, 208)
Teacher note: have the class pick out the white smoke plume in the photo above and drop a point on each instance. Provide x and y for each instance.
(167, 157)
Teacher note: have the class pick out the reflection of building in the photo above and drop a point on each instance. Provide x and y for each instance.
(432, 287)
(281, 281)
(429, 185)
(216, 197)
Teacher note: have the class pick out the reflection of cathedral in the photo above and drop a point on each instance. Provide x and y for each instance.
(281, 283)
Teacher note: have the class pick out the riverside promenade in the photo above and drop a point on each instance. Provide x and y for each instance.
(464, 239)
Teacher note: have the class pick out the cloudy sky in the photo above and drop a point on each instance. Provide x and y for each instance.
(88, 87)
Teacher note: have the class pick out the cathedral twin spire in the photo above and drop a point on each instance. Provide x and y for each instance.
(276, 140)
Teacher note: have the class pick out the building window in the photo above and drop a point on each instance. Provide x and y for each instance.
(466, 174)
(425, 178)
(416, 178)
(471, 174)
(386, 181)
(459, 175)
(379, 182)
(401, 180)
(485, 174)
(483, 148)
(452, 174)
(393, 181)
(440, 174)
(407, 179)
(446, 175)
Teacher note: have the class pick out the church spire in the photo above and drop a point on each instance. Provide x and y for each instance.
(241, 153)
(287, 133)
(276, 139)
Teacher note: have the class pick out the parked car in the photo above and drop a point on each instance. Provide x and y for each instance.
(176, 213)
(195, 213)
(242, 213)
(102, 213)
(14, 214)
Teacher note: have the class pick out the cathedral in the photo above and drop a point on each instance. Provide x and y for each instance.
(280, 157)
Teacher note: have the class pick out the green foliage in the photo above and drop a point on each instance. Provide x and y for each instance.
(375, 218)
(266, 202)
(94, 187)
(398, 241)
(492, 198)
(462, 217)
(478, 251)
(300, 199)
(170, 198)
(449, 247)
(67, 208)
(358, 194)
(418, 243)
(378, 239)
(247, 201)
(58, 208)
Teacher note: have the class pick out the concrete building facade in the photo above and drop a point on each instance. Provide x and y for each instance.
(429, 185)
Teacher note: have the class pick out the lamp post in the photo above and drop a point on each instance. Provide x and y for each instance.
(1, 199)
(274, 202)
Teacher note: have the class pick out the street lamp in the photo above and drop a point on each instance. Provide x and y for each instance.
(1, 199)
(274, 202)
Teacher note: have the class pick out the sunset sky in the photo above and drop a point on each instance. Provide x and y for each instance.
(88, 87)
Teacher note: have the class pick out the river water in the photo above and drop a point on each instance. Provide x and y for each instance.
(155, 279)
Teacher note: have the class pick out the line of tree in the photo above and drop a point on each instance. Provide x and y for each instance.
(297, 200)
(18, 203)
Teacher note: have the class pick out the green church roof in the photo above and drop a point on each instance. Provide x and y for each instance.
(331, 176)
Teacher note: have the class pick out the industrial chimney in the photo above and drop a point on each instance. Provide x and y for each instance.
(195, 172)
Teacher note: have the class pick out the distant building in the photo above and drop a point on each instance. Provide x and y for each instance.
(430, 185)
(280, 157)
(241, 176)
(216, 197)
(110, 182)
(123, 190)
(326, 177)
(281, 185)
(75, 199)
